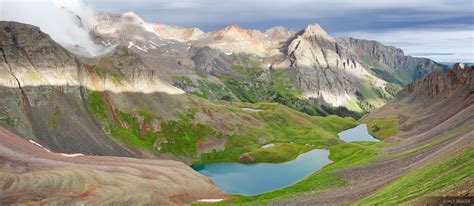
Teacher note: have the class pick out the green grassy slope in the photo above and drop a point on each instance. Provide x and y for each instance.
(426, 180)
(219, 131)
(253, 84)
(383, 127)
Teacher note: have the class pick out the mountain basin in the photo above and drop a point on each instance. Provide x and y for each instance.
(357, 134)
(258, 178)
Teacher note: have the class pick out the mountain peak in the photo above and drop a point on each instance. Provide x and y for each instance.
(459, 66)
(439, 82)
(131, 15)
(314, 30)
(232, 32)
(279, 32)
(232, 26)
(177, 33)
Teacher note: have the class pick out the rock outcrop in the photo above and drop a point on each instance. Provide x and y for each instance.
(431, 100)
(323, 68)
(37, 76)
(398, 67)
(459, 79)
(279, 32)
(127, 29)
(45, 90)
(178, 33)
(332, 71)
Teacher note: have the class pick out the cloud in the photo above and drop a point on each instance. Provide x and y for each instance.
(56, 18)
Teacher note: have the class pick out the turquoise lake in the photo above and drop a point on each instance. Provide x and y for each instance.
(258, 178)
(357, 134)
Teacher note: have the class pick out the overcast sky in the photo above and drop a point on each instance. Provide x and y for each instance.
(442, 30)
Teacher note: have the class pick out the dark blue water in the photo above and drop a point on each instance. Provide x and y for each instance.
(356, 134)
(254, 179)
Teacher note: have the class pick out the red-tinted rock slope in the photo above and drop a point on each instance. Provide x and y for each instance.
(30, 174)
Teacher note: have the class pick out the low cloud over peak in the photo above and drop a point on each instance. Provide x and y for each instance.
(67, 22)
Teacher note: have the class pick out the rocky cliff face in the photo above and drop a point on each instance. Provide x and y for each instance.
(233, 39)
(38, 76)
(111, 29)
(130, 30)
(436, 98)
(178, 33)
(335, 72)
(459, 79)
(279, 33)
(389, 62)
(323, 68)
(116, 105)
(45, 90)
(332, 71)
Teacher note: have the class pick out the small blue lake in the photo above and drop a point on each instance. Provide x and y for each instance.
(357, 134)
(258, 178)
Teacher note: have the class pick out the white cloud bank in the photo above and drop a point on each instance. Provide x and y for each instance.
(56, 18)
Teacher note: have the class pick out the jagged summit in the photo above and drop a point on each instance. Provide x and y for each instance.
(314, 30)
(310, 52)
(459, 79)
(279, 32)
(178, 33)
(354, 41)
(384, 60)
(234, 32)
(232, 26)
(459, 66)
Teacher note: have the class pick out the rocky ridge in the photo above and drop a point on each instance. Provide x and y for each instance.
(40, 76)
(323, 68)
(330, 71)
(459, 78)
(116, 105)
(389, 62)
